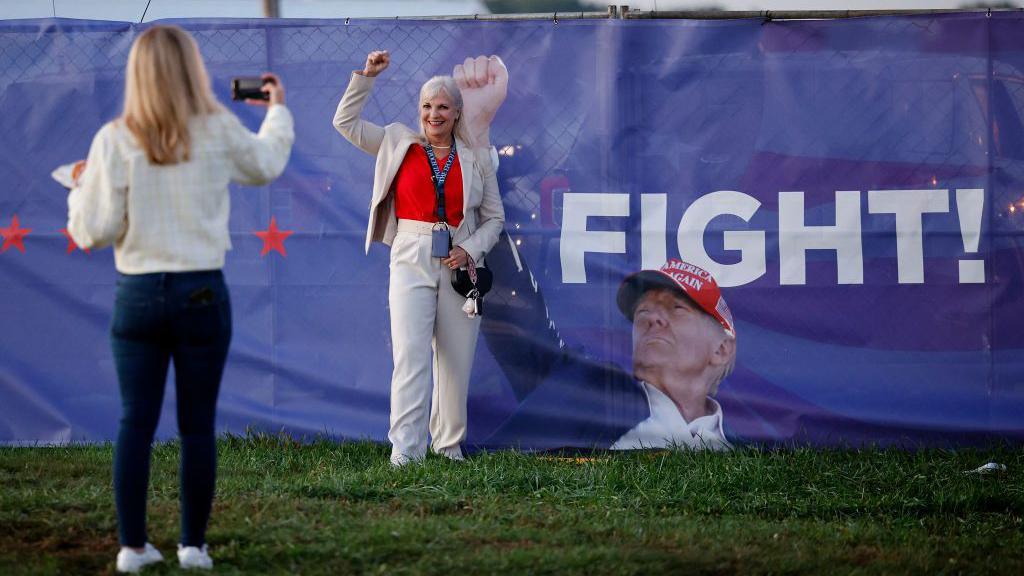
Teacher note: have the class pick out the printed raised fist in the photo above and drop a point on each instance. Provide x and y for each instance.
(484, 84)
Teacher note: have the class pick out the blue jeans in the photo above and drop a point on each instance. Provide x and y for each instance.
(184, 317)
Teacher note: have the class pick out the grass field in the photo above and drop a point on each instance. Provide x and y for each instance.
(326, 508)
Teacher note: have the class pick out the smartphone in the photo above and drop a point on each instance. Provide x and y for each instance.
(249, 87)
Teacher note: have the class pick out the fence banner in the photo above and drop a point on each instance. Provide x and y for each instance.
(855, 187)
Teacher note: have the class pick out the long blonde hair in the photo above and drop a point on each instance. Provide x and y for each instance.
(166, 84)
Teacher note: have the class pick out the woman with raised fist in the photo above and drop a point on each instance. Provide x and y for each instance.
(435, 202)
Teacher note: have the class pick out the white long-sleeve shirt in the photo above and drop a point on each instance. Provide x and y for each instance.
(666, 427)
(173, 218)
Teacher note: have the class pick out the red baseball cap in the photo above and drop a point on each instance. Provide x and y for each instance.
(696, 283)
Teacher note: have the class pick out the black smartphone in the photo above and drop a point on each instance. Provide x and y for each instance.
(249, 87)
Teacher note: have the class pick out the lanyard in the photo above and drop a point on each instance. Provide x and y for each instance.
(439, 177)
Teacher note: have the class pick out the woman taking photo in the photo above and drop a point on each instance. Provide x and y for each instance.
(155, 185)
(423, 179)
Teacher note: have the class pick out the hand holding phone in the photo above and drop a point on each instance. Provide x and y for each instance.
(262, 91)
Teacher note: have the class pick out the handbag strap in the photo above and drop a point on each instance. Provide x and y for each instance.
(471, 268)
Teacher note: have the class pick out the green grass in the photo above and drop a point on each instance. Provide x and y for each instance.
(326, 508)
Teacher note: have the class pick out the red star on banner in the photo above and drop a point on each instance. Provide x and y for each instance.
(273, 239)
(71, 242)
(14, 235)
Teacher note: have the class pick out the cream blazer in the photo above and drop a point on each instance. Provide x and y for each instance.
(483, 214)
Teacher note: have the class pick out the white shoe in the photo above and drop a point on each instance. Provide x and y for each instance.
(194, 557)
(129, 560)
(398, 460)
(454, 453)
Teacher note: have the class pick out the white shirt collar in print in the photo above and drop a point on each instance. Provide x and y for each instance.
(666, 427)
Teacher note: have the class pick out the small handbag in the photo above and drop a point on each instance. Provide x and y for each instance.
(464, 285)
(473, 283)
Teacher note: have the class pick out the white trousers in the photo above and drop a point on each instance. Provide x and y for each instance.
(432, 338)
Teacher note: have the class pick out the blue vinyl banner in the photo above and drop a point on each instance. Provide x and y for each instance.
(855, 187)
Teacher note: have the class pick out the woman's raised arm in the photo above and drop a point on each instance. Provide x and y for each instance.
(365, 135)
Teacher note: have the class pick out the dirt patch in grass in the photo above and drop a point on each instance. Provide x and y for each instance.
(71, 552)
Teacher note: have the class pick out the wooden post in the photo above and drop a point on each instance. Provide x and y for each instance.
(271, 8)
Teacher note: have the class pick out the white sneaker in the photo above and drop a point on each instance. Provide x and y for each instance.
(194, 557)
(129, 560)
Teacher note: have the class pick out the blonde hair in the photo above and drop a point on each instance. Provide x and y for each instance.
(166, 84)
(446, 84)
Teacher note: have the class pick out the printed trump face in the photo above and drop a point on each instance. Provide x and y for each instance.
(674, 340)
